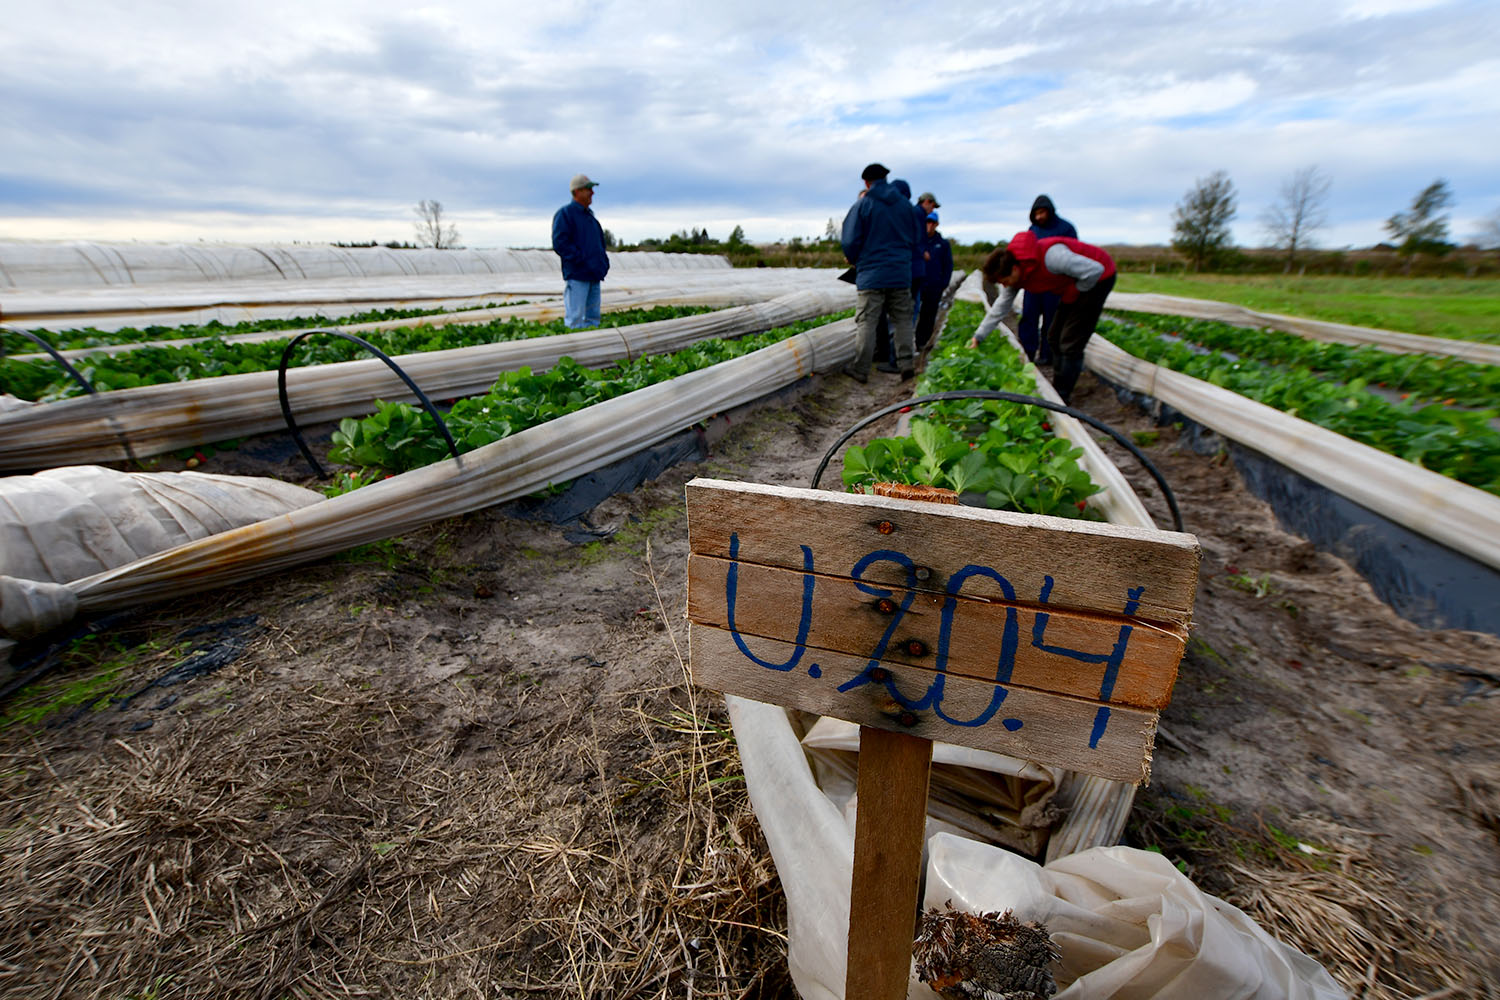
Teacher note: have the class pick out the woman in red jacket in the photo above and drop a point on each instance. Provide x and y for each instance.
(1081, 273)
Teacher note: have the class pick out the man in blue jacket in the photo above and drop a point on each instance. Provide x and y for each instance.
(578, 239)
(1039, 308)
(879, 239)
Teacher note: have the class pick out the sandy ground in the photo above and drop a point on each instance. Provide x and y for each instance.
(465, 763)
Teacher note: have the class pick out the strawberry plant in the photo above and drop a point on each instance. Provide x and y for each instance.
(1458, 443)
(85, 337)
(1420, 376)
(44, 381)
(1003, 450)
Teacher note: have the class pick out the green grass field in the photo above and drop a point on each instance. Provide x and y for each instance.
(1459, 308)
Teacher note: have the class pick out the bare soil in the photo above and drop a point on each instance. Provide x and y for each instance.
(466, 762)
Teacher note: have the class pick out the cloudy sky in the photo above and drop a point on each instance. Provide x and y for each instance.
(329, 119)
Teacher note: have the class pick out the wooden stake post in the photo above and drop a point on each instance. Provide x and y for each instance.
(1053, 640)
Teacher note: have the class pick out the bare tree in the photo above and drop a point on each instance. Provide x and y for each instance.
(431, 232)
(1200, 222)
(1298, 212)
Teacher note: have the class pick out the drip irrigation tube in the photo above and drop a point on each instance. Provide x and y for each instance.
(286, 406)
(1010, 397)
(72, 372)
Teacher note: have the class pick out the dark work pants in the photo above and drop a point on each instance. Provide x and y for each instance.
(927, 315)
(1069, 333)
(1037, 312)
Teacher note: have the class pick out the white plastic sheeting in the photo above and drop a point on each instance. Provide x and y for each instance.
(79, 264)
(1313, 329)
(152, 419)
(1459, 516)
(109, 308)
(66, 524)
(63, 285)
(542, 308)
(1128, 923)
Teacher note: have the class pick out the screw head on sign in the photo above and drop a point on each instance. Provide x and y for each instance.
(886, 606)
(916, 647)
(923, 573)
(907, 718)
(880, 675)
(885, 527)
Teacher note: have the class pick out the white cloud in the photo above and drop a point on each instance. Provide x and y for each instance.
(329, 118)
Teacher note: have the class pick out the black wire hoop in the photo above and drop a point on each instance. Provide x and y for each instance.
(72, 372)
(286, 406)
(1009, 397)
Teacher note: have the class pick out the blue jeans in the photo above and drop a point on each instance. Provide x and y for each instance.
(580, 304)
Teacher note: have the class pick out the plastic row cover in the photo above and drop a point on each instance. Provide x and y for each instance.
(109, 307)
(1313, 329)
(70, 523)
(1457, 515)
(25, 264)
(153, 419)
(542, 308)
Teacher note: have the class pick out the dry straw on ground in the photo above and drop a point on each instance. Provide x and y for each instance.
(334, 842)
(1331, 899)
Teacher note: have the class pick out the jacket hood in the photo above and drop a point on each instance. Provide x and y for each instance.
(886, 193)
(903, 187)
(1042, 201)
(1024, 246)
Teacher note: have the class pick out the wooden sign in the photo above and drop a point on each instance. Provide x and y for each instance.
(1049, 639)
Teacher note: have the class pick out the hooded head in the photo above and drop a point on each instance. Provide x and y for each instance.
(903, 187)
(1043, 204)
(1012, 263)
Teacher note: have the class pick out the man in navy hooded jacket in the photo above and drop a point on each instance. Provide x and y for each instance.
(879, 239)
(1038, 308)
(578, 239)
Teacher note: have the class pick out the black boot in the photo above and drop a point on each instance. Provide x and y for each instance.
(1066, 374)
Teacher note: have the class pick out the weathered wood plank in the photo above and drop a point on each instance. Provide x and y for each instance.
(890, 821)
(1109, 741)
(1073, 565)
(1104, 658)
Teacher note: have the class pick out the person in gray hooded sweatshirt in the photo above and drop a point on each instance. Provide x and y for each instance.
(879, 239)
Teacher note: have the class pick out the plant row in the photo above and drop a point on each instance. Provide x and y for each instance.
(399, 436)
(1006, 451)
(1419, 376)
(43, 380)
(83, 338)
(1460, 444)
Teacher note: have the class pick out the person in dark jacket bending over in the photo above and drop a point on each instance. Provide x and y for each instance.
(939, 258)
(879, 239)
(1079, 273)
(578, 239)
(1037, 311)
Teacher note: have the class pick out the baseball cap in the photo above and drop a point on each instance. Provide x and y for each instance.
(929, 196)
(932, 217)
(582, 181)
(873, 172)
